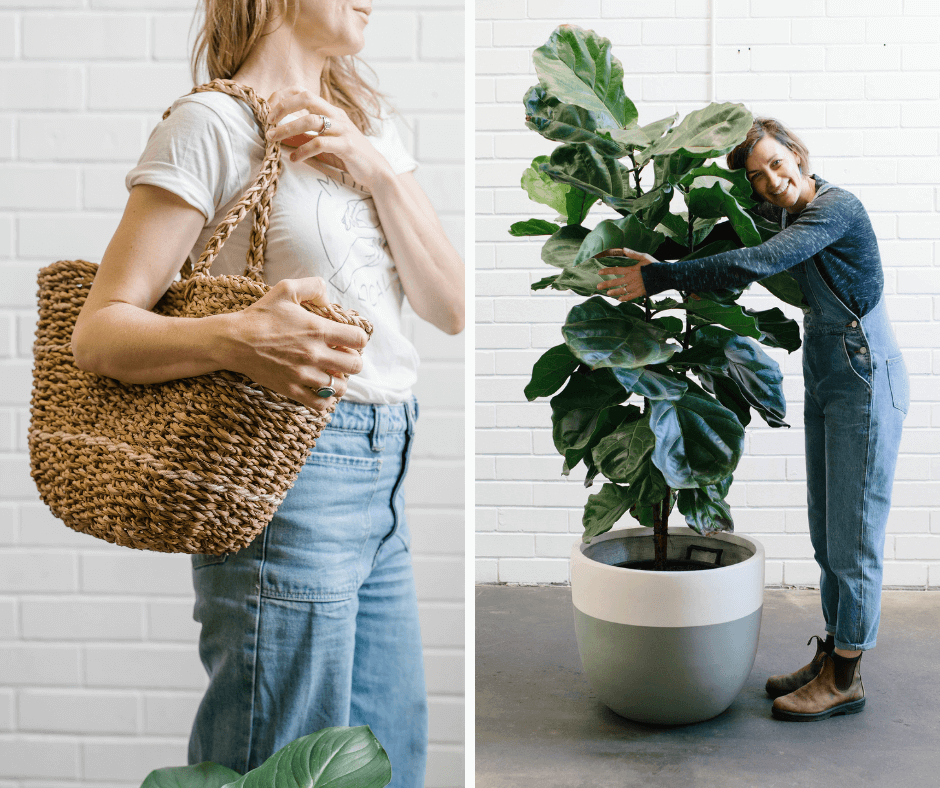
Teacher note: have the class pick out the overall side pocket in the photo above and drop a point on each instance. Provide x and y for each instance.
(899, 383)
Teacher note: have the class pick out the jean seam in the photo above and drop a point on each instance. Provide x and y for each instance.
(861, 531)
(254, 655)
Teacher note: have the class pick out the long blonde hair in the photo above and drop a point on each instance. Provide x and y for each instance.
(232, 27)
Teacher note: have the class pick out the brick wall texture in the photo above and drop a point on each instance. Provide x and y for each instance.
(860, 81)
(99, 675)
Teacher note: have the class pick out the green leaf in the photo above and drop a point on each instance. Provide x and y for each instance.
(602, 336)
(706, 133)
(740, 185)
(715, 201)
(562, 248)
(576, 66)
(584, 412)
(668, 323)
(731, 316)
(580, 165)
(727, 392)
(533, 227)
(720, 353)
(334, 757)
(569, 123)
(698, 441)
(604, 508)
(627, 233)
(544, 283)
(543, 189)
(673, 167)
(620, 455)
(200, 775)
(583, 279)
(777, 330)
(551, 371)
(651, 384)
(785, 287)
(577, 205)
(705, 509)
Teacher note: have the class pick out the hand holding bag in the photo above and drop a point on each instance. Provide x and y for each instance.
(196, 465)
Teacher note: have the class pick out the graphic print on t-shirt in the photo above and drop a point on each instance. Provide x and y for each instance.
(359, 256)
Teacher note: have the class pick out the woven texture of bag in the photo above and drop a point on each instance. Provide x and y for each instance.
(197, 465)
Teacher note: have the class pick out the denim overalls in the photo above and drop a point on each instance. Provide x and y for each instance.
(856, 398)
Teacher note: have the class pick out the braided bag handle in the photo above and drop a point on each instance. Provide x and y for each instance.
(258, 196)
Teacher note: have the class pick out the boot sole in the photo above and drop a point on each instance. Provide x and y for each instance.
(853, 707)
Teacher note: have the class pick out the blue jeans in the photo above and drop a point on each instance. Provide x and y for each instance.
(856, 398)
(315, 623)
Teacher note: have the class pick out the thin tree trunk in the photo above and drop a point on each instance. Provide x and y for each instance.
(660, 532)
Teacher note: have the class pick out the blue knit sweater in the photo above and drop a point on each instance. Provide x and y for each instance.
(834, 230)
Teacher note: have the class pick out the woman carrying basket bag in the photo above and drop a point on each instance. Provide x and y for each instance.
(315, 622)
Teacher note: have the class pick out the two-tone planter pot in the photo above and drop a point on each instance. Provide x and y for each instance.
(667, 647)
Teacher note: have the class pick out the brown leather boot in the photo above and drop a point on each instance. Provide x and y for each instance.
(786, 683)
(838, 689)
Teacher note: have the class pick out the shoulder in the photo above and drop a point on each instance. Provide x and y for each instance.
(386, 139)
(214, 112)
(830, 197)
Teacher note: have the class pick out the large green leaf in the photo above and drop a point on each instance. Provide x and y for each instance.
(569, 123)
(706, 133)
(620, 455)
(705, 509)
(577, 67)
(604, 508)
(644, 136)
(541, 188)
(714, 201)
(544, 283)
(698, 441)
(533, 227)
(730, 315)
(581, 166)
(550, 372)
(584, 412)
(777, 330)
(672, 167)
(785, 287)
(333, 757)
(740, 186)
(627, 233)
(651, 383)
(562, 248)
(583, 279)
(602, 336)
(200, 775)
(718, 353)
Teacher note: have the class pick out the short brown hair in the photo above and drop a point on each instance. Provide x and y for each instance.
(760, 129)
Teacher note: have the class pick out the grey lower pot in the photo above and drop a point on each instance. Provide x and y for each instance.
(667, 647)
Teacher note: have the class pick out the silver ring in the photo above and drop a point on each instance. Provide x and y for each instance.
(327, 391)
(326, 123)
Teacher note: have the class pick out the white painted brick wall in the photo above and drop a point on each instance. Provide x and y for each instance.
(99, 675)
(860, 80)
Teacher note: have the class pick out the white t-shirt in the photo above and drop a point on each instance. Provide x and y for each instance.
(209, 150)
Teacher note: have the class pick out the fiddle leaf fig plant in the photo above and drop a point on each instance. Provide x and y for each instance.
(653, 395)
(334, 757)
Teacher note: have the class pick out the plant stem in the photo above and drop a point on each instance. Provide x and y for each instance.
(636, 173)
(661, 532)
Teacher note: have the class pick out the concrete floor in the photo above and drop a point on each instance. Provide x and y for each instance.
(538, 723)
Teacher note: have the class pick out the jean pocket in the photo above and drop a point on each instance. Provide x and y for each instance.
(858, 355)
(314, 543)
(899, 383)
(200, 560)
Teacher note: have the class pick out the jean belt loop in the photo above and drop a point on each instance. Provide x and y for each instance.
(379, 427)
(411, 414)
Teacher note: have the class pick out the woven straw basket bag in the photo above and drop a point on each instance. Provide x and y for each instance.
(197, 465)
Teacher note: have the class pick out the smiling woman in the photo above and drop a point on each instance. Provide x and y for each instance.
(315, 623)
(856, 393)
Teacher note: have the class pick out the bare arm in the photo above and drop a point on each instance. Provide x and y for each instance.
(275, 342)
